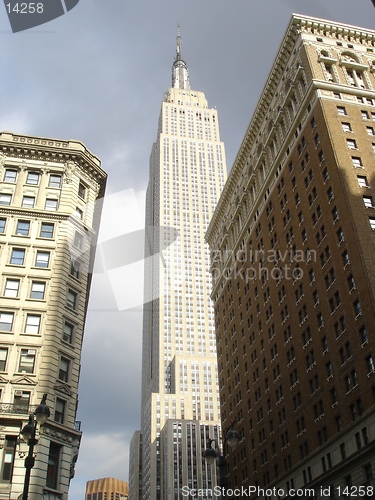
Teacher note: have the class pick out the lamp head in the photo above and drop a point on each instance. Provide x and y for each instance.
(28, 429)
(210, 455)
(42, 411)
(232, 437)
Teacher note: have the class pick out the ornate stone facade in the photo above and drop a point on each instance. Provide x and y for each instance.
(48, 230)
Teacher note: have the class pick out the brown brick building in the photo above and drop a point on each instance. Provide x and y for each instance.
(292, 252)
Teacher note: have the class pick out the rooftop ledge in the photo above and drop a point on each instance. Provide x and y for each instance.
(45, 142)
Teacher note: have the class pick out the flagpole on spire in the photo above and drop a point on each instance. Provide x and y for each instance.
(180, 75)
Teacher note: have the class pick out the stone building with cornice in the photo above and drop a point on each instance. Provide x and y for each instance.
(292, 260)
(49, 219)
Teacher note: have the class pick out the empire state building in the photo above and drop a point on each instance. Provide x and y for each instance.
(180, 402)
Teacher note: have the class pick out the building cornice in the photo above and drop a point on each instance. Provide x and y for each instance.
(46, 149)
(298, 26)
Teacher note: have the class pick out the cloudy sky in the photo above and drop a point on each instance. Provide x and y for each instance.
(99, 74)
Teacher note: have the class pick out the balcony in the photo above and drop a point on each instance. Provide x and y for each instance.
(17, 409)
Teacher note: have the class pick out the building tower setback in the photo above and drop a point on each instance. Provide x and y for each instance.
(292, 252)
(49, 219)
(180, 403)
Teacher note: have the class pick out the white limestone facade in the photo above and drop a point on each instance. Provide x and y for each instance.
(49, 218)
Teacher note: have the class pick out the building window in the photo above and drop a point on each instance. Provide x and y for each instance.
(367, 200)
(32, 324)
(2, 225)
(59, 410)
(9, 452)
(362, 181)
(11, 288)
(51, 204)
(3, 358)
(46, 230)
(370, 364)
(10, 176)
(38, 289)
(53, 465)
(72, 299)
(367, 471)
(64, 369)
(345, 258)
(355, 78)
(6, 321)
(357, 308)
(82, 191)
(28, 201)
(341, 111)
(32, 178)
(372, 222)
(5, 199)
(42, 259)
(357, 162)
(346, 127)
(351, 283)
(17, 257)
(27, 361)
(75, 268)
(78, 213)
(351, 143)
(78, 240)
(21, 401)
(23, 228)
(54, 181)
(68, 331)
(363, 334)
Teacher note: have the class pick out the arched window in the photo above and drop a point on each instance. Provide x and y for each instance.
(354, 70)
(328, 66)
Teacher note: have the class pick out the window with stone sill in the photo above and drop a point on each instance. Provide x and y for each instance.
(10, 175)
(32, 178)
(6, 321)
(23, 228)
(28, 201)
(5, 199)
(17, 256)
(32, 325)
(11, 288)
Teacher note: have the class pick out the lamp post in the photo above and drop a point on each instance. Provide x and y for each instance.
(40, 416)
(212, 454)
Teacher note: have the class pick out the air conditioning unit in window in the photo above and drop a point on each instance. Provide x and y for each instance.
(18, 393)
(31, 351)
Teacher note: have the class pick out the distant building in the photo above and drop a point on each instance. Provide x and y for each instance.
(48, 226)
(179, 365)
(135, 467)
(292, 255)
(107, 488)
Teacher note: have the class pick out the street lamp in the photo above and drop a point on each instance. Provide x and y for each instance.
(41, 414)
(212, 454)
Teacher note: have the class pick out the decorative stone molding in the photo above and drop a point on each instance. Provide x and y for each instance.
(56, 434)
(2, 159)
(69, 170)
(23, 381)
(45, 170)
(64, 389)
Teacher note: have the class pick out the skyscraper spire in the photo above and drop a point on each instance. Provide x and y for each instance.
(180, 75)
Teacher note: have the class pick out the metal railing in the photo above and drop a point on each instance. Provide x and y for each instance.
(17, 409)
